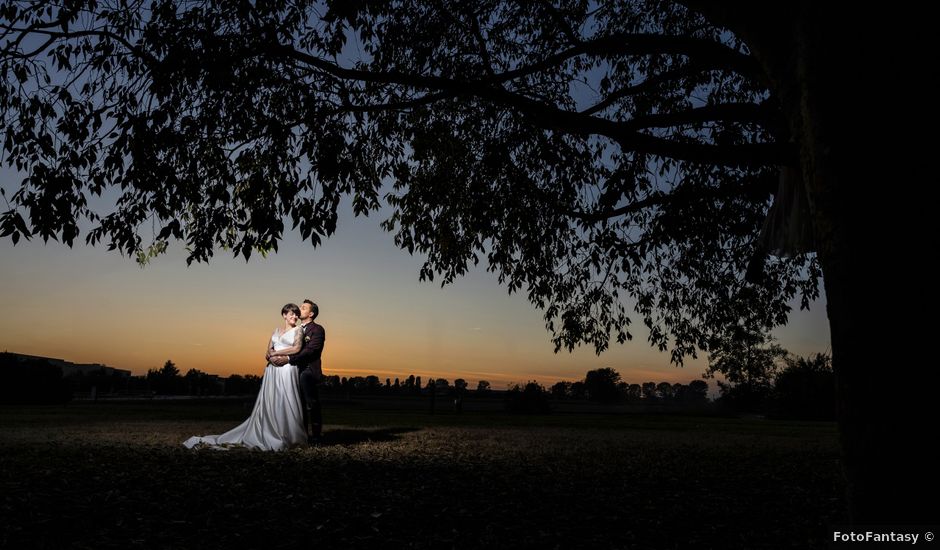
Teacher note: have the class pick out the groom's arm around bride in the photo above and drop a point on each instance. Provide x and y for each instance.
(309, 366)
(307, 360)
(312, 349)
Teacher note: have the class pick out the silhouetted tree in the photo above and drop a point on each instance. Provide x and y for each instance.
(561, 390)
(649, 391)
(634, 392)
(531, 398)
(359, 383)
(432, 395)
(679, 391)
(215, 123)
(332, 383)
(372, 383)
(622, 388)
(460, 388)
(749, 366)
(166, 380)
(483, 387)
(664, 391)
(197, 382)
(578, 390)
(169, 370)
(805, 389)
(601, 384)
(698, 390)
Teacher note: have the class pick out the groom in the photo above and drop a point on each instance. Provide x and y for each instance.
(308, 364)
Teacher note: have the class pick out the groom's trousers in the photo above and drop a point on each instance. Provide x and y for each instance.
(310, 396)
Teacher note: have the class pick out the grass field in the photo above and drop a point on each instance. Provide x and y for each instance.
(114, 475)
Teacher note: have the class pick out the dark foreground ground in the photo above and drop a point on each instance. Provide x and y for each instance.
(114, 475)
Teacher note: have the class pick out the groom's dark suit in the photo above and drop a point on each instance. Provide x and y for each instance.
(310, 367)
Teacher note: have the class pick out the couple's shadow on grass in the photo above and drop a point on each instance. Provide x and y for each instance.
(348, 436)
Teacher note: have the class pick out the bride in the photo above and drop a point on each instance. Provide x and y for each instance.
(276, 421)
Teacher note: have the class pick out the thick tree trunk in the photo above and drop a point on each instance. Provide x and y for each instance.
(863, 218)
(853, 90)
(882, 390)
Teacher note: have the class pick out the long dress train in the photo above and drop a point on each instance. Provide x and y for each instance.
(276, 421)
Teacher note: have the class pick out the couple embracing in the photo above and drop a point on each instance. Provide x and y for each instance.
(287, 410)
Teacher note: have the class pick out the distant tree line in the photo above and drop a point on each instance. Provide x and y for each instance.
(167, 381)
(412, 385)
(769, 382)
(604, 385)
(38, 381)
(774, 384)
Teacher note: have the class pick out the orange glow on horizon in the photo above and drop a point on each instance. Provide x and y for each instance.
(87, 305)
(349, 367)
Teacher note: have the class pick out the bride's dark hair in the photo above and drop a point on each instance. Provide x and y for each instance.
(290, 307)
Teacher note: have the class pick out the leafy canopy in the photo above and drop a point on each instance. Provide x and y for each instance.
(602, 157)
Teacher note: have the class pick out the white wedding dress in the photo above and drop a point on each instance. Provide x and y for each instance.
(276, 422)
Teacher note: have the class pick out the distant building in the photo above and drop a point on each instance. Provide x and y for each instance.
(72, 369)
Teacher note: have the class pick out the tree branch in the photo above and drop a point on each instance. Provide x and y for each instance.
(545, 115)
(681, 194)
(13, 53)
(481, 46)
(727, 112)
(600, 215)
(618, 44)
(551, 117)
(101, 34)
(651, 82)
(426, 99)
(646, 44)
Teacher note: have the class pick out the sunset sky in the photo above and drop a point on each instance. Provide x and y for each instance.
(86, 304)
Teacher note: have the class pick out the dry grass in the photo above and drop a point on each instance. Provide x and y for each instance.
(116, 476)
